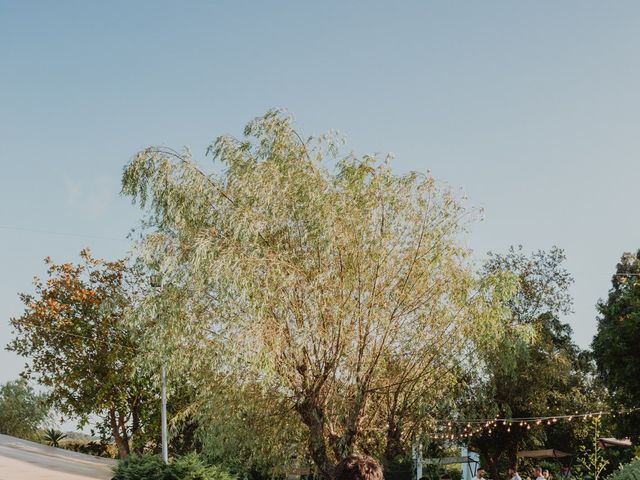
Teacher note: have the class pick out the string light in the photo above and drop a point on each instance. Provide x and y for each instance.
(488, 425)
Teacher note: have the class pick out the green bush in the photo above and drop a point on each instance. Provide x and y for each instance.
(191, 467)
(97, 449)
(629, 471)
(151, 467)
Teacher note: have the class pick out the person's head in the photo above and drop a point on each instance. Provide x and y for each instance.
(480, 472)
(512, 471)
(537, 471)
(545, 473)
(358, 467)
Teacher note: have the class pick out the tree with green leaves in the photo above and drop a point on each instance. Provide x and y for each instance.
(22, 411)
(540, 373)
(327, 296)
(78, 345)
(615, 345)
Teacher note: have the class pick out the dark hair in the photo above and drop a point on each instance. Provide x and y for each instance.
(446, 476)
(358, 467)
(537, 467)
(513, 467)
(480, 468)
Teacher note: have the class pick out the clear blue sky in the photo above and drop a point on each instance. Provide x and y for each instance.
(532, 108)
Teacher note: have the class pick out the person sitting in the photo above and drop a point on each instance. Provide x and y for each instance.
(513, 473)
(537, 473)
(565, 472)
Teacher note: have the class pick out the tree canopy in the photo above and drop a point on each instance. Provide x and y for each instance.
(615, 345)
(22, 411)
(536, 370)
(74, 334)
(325, 291)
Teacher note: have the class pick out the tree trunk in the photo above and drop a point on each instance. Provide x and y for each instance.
(121, 443)
(393, 448)
(135, 426)
(122, 423)
(492, 460)
(352, 425)
(313, 417)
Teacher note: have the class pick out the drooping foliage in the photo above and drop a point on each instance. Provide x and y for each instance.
(321, 304)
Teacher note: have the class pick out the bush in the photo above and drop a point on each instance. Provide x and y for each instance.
(148, 467)
(191, 467)
(629, 471)
(97, 449)
(151, 467)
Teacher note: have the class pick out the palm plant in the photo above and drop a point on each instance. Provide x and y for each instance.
(52, 437)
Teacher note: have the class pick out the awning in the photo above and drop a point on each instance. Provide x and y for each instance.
(547, 453)
(614, 442)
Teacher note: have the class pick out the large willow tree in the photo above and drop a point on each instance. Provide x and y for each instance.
(323, 305)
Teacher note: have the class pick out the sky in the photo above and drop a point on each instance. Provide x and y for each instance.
(529, 108)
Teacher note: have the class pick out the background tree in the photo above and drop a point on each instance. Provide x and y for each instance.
(615, 345)
(542, 374)
(343, 297)
(22, 411)
(74, 334)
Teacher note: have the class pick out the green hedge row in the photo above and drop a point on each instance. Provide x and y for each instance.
(151, 467)
(630, 471)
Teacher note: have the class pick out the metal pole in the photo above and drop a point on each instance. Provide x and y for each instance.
(163, 415)
(417, 457)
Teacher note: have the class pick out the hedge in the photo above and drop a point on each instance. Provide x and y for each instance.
(629, 471)
(151, 467)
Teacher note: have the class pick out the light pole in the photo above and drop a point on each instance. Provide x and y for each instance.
(163, 417)
(156, 282)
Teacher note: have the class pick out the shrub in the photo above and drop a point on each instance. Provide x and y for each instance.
(52, 437)
(91, 447)
(629, 471)
(134, 467)
(151, 467)
(191, 467)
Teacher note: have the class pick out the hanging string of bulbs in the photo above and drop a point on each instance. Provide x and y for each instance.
(461, 429)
